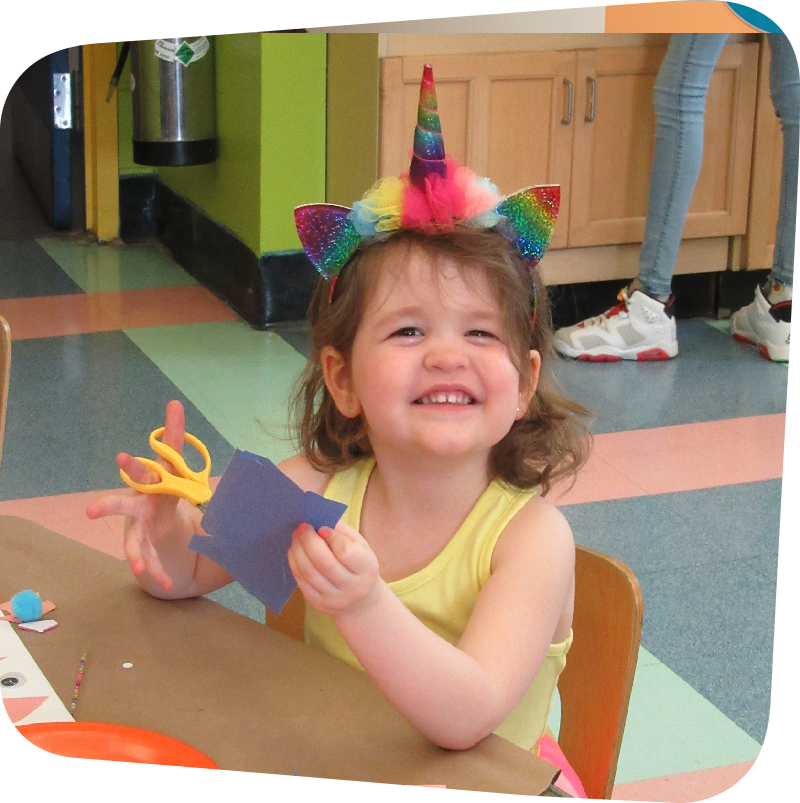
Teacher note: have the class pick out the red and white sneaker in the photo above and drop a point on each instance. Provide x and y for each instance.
(765, 325)
(640, 327)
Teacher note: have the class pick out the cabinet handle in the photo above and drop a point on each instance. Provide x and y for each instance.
(568, 119)
(592, 94)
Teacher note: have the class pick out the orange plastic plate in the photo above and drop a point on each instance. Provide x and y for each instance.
(113, 743)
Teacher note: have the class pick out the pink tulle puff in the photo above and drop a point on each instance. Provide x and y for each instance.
(446, 202)
(480, 195)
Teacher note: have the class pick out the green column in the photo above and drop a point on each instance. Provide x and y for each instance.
(293, 67)
(353, 90)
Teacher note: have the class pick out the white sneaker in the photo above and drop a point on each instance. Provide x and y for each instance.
(765, 325)
(638, 328)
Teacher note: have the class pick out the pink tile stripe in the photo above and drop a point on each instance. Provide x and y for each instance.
(684, 788)
(685, 457)
(66, 514)
(82, 313)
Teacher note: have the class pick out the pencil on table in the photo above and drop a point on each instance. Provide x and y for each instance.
(77, 685)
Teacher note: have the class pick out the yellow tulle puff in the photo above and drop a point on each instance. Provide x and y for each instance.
(381, 207)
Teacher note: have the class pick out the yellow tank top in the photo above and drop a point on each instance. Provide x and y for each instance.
(443, 593)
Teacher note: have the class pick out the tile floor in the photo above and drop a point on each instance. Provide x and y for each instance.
(683, 484)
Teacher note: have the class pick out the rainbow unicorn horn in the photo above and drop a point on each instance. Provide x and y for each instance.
(428, 155)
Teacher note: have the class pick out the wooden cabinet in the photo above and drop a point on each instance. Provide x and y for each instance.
(583, 119)
(612, 152)
(758, 245)
(501, 115)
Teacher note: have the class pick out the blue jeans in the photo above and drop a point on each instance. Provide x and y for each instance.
(679, 99)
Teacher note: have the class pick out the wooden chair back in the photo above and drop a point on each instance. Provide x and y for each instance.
(5, 372)
(291, 619)
(595, 686)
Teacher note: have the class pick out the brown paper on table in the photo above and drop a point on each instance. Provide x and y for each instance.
(247, 696)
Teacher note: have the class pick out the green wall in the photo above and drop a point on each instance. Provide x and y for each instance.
(292, 132)
(353, 91)
(271, 125)
(228, 190)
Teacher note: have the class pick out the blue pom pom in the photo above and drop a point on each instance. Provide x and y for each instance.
(27, 606)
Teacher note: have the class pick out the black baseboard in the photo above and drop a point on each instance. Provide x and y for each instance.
(697, 295)
(137, 208)
(264, 289)
(737, 289)
(273, 288)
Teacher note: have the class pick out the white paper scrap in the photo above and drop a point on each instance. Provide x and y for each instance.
(42, 626)
(27, 695)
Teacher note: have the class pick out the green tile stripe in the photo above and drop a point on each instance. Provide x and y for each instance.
(97, 268)
(239, 378)
(234, 597)
(671, 728)
(235, 376)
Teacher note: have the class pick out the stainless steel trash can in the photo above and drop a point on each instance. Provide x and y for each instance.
(174, 107)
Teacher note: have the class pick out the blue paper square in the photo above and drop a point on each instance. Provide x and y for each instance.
(251, 518)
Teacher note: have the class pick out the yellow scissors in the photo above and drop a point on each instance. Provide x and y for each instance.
(188, 484)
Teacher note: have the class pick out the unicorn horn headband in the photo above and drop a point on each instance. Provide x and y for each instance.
(435, 195)
(428, 158)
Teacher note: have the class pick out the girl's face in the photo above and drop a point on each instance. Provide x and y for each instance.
(430, 369)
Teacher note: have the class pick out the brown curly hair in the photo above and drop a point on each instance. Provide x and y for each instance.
(549, 442)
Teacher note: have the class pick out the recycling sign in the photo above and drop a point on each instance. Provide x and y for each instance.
(183, 51)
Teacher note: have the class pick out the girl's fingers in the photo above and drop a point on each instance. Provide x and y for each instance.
(351, 532)
(319, 553)
(306, 573)
(142, 556)
(136, 470)
(132, 549)
(174, 426)
(154, 565)
(166, 505)
(112, 505)
(349, 548)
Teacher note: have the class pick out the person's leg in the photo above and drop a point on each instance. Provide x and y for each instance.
(679, 98)
(766, 322)
(642, 325)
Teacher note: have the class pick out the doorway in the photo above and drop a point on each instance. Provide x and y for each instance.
(41, 150)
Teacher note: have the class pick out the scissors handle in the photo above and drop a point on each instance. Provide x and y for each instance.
(177, 461)
(188, 484)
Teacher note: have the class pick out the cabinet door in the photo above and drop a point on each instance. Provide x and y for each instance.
(613, 148)
(758, 245)
(760, 242)
(501, 115)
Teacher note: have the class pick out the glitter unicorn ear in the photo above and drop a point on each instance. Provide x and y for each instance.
(528, 217)
(327, 236)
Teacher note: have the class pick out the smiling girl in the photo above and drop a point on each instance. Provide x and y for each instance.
(427, 407)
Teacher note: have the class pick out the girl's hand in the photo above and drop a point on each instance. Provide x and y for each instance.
(335, 569)
(151, 516)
